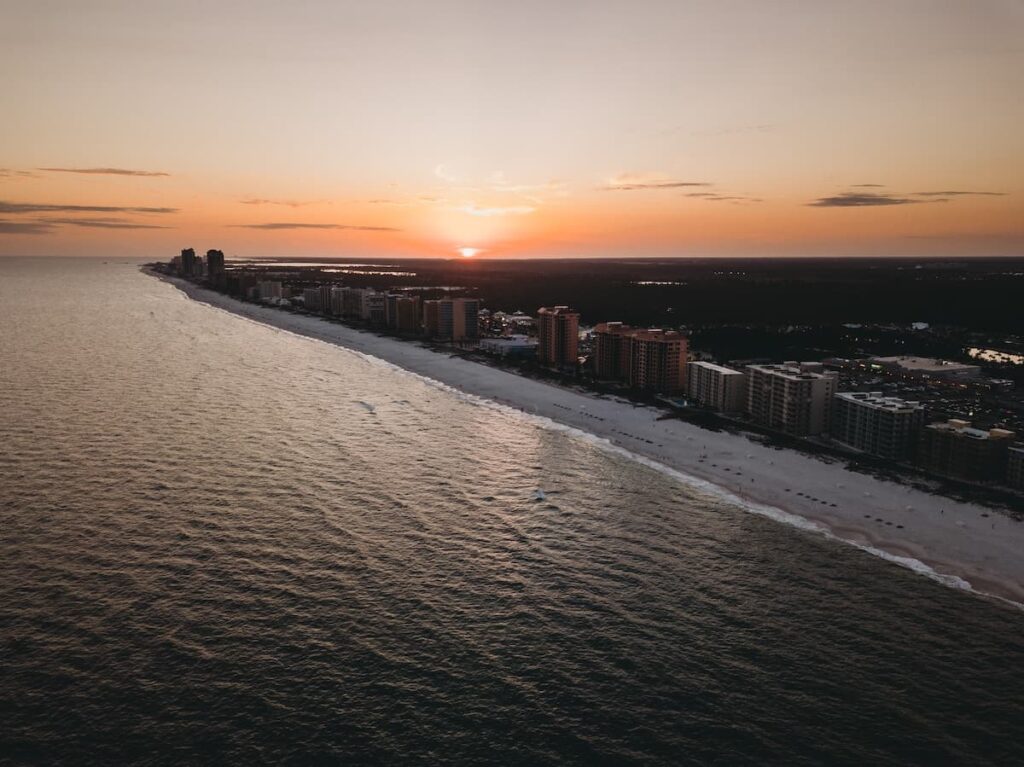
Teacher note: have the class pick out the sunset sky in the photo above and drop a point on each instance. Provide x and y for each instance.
(525, 128)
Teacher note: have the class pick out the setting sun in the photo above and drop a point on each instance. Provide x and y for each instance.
(468, 252)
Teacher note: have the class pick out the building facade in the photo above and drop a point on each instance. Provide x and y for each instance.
(408, 315)
(610, 355)
(215, 266)
(558, 336)
(188, 262)
(790, 397)
(717, 387)
(954, 449)
(657, 361)
(888, 427)
(268, 289)
(1015, 467)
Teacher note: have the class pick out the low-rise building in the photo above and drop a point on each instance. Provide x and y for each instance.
(884, 426)
(718, 387)
(510, 346)
(927, 367)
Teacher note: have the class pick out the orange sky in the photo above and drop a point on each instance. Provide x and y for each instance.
(393, 129)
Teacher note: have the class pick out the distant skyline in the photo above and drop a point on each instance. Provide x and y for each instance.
(528, 129)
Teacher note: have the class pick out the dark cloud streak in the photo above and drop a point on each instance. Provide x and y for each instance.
(107, 172)
(101, 223)
(284, 225)
(286, 203)
(634, 186)
(25, 227)
(959, 194)
(9, 173)
(862, 200)
(30, 207)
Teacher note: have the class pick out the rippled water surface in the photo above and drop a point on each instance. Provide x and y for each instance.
(220, 542)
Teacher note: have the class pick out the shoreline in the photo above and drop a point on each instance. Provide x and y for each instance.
(959, 544)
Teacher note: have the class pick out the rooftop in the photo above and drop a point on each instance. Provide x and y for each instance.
(924, 364)
(717, 368)
(875, 399)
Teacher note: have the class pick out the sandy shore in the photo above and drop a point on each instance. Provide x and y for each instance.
(961, 544)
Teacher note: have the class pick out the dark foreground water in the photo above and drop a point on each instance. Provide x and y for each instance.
(223, 543)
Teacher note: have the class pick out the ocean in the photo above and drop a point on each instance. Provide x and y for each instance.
(225, 543)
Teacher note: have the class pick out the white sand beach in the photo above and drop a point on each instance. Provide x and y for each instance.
(962, 544)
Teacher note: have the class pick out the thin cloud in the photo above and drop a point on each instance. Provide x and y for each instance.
(25, 227)
(10, 173)
(862, 200)
(628, 182)
(715, 197)
(736, 199)
(102, 223)
(868, 186)
(510, 210)
(760, 128)
(107, 171)
(444, 174)
(959, 194)
(31, 207)
(281, 225)
(286, 203)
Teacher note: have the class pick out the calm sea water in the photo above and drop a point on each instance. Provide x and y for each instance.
(223, 543)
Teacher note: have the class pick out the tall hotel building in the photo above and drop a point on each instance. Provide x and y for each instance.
(215, 266)
(791, 397)
(884, 426)
(455, 319)
(558, 336)
(717, 387)
(610, 357)
(657, 361)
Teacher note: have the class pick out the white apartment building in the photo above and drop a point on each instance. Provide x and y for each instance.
(888, 427)
(790, 398)
(718, 387)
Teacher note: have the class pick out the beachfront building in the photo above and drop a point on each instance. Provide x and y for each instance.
(452, 319)
(1015, 467)
(519, 346)
(215, 265)
(311, 299)
(374, 308)
(338, 301)
(657, 361)
(651, 360)
(558, 336)
(432, 318)
(610, 355)
(884, 426)
(792, 397)
(269, 289)
(717, 387)
(926, 367)
(188, 262)
(954, 449)
(404, 314)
